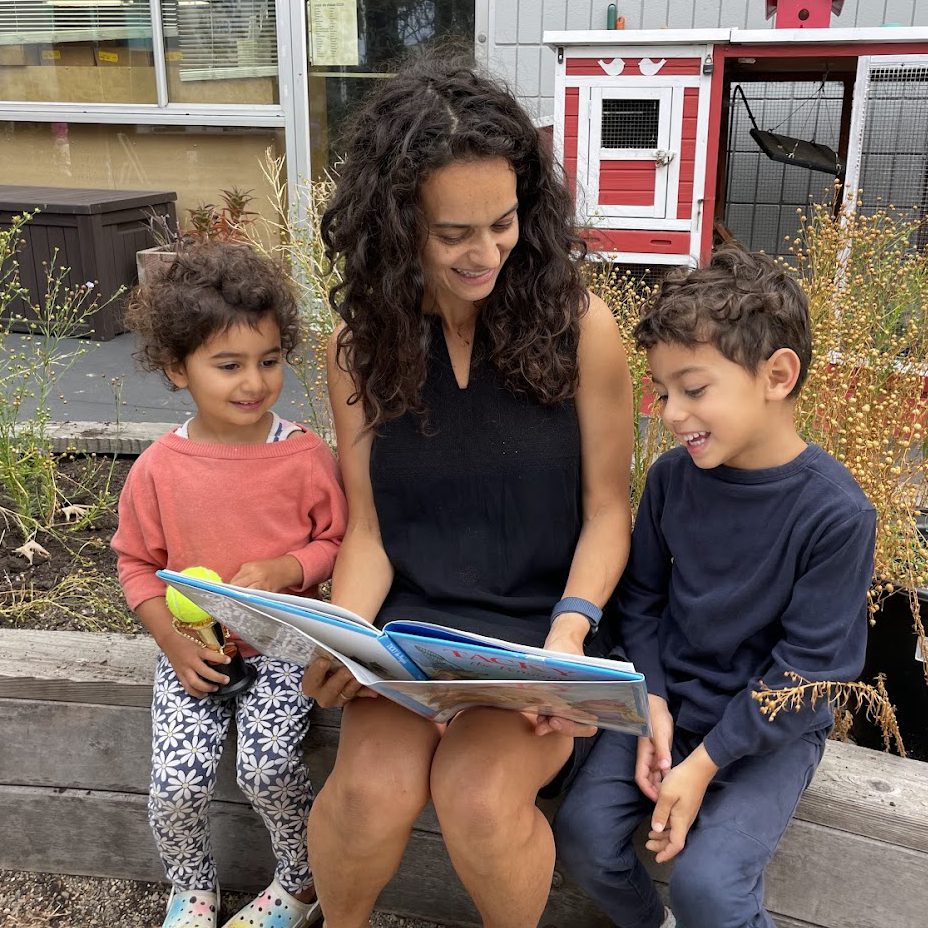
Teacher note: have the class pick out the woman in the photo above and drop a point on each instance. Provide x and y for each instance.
(483, 415)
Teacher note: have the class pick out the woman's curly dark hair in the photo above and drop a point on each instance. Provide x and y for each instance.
(743, 304)
(208, 289)
(431, 114)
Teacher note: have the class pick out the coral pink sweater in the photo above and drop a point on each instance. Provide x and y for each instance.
(189, 504)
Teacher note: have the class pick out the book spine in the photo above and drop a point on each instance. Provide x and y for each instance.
(402, 657)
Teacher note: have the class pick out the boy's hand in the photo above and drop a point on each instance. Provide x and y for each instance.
(654, 753)
(568, 632)
(681, 795)
(274, 575)
(193, 665)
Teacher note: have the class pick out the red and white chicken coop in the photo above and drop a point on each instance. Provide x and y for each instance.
(672, 138)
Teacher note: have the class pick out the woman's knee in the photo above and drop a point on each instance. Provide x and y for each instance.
(464, 800)
(371, 789)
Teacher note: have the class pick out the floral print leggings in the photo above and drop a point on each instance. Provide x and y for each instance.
(271, 719)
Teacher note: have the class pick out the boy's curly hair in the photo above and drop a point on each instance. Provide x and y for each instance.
(435, 112)
(743, 304)
(208, 289)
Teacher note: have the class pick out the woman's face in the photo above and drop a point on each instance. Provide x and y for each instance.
(470, 207)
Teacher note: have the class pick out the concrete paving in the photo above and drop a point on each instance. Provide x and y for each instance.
(105, 384)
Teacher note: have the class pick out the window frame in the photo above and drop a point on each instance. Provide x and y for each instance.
(291, 114)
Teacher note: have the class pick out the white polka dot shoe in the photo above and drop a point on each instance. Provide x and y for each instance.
(276, 908)
(192, 908)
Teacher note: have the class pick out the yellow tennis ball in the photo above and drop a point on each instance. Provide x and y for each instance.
(184, 609)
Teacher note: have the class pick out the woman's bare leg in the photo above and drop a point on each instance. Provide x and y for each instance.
(485, 776)
(362, 818)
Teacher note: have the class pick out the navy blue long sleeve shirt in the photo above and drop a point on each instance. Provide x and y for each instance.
(737, 576)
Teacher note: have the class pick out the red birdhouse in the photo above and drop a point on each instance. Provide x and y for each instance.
(803, 14)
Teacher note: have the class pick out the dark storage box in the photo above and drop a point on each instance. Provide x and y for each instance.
(96, 233)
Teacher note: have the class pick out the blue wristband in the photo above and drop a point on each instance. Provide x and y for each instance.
(590, 611)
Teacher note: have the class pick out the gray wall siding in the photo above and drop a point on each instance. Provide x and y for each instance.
(516, 27)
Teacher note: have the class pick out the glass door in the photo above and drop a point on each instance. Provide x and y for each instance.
(354, 44)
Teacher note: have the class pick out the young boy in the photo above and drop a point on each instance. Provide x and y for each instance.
(751, 557)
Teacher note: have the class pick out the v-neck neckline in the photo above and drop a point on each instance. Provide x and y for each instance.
(447, 354)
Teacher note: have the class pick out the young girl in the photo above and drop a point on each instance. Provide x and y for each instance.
(257, 499)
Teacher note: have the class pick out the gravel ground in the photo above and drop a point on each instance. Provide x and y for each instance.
(45, 900)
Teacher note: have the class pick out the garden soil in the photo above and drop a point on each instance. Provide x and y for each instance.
(41, 900)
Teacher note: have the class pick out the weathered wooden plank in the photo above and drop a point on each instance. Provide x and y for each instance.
(98, 833)
(108, 748)
(104, 834)
(860, 828)
(112, 752)
(107, 834)
(872, 793)
(77, 666)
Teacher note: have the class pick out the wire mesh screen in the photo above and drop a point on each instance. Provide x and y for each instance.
(630, 123)
(894, 154)
(763, 197)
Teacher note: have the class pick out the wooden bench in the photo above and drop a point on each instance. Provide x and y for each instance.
(74, 761)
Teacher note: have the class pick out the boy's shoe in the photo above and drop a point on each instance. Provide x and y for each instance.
(192, 908)
(276, 908)
(669, 921)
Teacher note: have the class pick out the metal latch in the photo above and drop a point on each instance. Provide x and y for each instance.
(664, 157)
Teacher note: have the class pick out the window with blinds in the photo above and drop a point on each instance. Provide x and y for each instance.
(76, 51)
(218, 39)
(27, 22)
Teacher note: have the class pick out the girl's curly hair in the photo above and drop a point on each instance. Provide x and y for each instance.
(431, 114)
(208, 289)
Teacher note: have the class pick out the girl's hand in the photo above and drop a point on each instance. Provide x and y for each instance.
(193, 665)
(332, 687)
(567, 634)
(273, 575)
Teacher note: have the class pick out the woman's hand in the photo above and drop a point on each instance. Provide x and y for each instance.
(567, 635)
(193, 665)
(332, 686)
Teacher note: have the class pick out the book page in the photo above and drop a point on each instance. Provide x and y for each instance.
(258, 618)
(439, 634)
(458, 660)
(615, 705)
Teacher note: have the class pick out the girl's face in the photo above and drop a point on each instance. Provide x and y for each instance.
(470, 207)
(235, 378)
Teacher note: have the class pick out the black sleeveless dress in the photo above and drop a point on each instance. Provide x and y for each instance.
(480, 512)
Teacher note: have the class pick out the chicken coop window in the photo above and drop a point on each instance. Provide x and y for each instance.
(630, 123)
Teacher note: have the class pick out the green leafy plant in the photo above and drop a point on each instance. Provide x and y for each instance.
(29, 371)
(207, 222)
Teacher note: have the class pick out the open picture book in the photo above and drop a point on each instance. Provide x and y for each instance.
(432, 670)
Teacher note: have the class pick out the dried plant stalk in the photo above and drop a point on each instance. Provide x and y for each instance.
(874, 700)
(864, 401)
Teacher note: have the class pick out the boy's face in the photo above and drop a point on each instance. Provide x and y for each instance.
(717, 409)
(234, 378)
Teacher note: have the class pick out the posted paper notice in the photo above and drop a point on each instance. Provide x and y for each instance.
(333, 26)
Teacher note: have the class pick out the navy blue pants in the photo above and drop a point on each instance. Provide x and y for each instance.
(718, 877)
